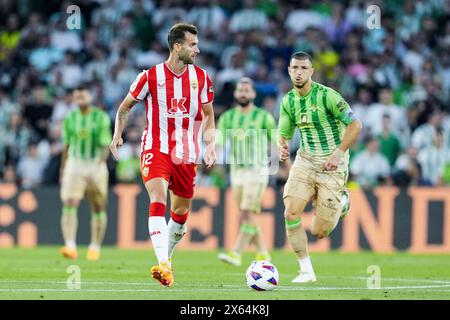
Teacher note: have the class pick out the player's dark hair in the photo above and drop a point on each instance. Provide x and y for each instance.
(301, 55)
(177, 33)
(80, 87)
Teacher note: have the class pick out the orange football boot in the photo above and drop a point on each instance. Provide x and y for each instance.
(163, 273)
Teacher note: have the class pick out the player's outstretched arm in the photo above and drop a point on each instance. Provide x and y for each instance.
(121, 119)
(350, 135)
(209, 135)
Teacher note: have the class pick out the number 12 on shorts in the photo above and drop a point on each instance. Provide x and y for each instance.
(148, 159)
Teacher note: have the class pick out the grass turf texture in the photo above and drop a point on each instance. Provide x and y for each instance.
(124, 274)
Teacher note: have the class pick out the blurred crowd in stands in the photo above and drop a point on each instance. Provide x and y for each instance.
(395, 77)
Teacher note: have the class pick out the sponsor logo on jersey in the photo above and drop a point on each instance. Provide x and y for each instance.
(177, 109)
(154, 233)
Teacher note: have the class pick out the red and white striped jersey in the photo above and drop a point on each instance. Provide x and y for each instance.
(174, 108)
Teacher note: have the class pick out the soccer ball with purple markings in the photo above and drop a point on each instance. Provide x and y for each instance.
(262, 276)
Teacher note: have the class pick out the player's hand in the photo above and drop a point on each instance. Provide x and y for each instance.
(333, 161)
(210, 156)
(283, 151)
(116, 142)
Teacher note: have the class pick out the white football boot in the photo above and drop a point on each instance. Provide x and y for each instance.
(305, 277)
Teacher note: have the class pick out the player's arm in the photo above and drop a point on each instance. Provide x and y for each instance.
(209, 134)
(65, 153)
(121, 119)
(342, 111)
(286, 127)
(105, 137)
(63, 161)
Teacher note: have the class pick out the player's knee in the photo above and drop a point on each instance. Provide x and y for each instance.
(157, 196)
(98, 207)
(246, 216)
(294, 208)
(71, 203)
(319, 233)
(182, 210)
(290, 215)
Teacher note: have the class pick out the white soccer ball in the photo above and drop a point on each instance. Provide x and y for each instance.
(262, 276)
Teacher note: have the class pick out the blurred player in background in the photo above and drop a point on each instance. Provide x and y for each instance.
(177, 95)
(86, 135)
(248, 129)
(319, 173)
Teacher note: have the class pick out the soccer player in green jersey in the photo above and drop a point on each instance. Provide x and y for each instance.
(319, 173)
(247, 129)
(86, 136)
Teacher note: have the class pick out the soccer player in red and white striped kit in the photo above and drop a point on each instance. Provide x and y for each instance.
(178, 98)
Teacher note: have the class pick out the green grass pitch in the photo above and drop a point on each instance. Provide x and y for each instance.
(124, 274)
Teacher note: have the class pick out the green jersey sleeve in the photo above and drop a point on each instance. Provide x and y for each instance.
(340, 108)
(104, 138)
(286, 125)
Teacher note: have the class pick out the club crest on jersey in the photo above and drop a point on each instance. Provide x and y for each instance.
(194, 84)
(177, 109)
(145, 171)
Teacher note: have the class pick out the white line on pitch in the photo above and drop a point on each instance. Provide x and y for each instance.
(234, 288)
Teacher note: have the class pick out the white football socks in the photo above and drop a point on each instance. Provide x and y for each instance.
(176, 233)
(306, 265)
(157, 228)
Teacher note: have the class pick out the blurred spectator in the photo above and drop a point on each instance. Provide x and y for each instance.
(248, 18)
(9, 37)
(45, 55)
(70, 71)
(14, 141)
(389, 143)
(433, 159)
(424, 135)
(63, 39)
(300, 19)
(128, 167)
(361, 107)
(53, 148)
(142, 24)
(30, 168)
(407, 170)
(98, 68)
(207, 15)
(370, 167)
(38, 112)
(374, 117)
(62, 107)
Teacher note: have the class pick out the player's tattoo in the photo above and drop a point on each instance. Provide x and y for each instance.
(123, 115)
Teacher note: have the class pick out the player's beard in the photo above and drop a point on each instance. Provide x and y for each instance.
(84, 107)
(243, 102)
(185, 58)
